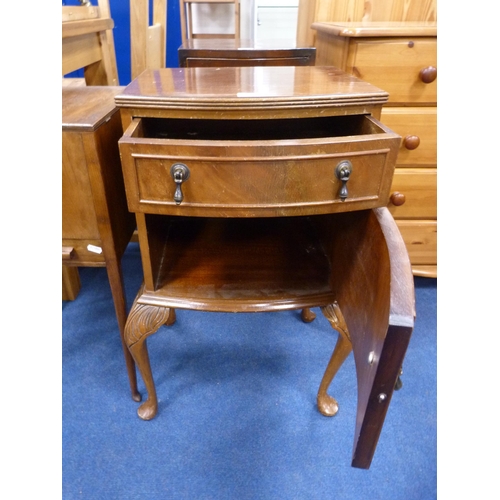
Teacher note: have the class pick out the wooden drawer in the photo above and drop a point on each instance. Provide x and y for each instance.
(207, 62)
(283, 167)
(419, 187)
(418, 128)
(420, 238)
(394, 64)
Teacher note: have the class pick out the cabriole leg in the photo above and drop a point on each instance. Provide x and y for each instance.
(327, 405)
(143, 321)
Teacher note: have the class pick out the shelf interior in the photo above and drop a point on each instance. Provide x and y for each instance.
(218, 263)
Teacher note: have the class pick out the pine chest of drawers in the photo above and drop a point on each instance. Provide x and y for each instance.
(401, 58)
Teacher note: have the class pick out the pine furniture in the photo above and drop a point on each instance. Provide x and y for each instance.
(264, 189)
(188, 29)
(88, 43)
(96, 224)
(367, 11)
(400, 57)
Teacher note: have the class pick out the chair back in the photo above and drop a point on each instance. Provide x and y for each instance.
(204, 9)
(87, 42)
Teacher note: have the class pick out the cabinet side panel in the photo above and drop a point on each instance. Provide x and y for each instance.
(78, 214)
(116, 222)
(331, 50)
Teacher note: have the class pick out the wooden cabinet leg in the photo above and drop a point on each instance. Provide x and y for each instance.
(143, 321)
(327, 405)
(115, 278)
(307, 315)
(70, 283)
(171, 318)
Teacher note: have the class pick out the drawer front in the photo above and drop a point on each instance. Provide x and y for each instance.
(395, 65)
(419, 188)
(420, 238)
(208, 62)
(418, 129)
(258, 178)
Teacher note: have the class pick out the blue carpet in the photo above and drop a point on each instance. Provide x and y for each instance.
(237, 416)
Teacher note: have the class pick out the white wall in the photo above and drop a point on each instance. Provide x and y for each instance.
(277, 19)
(218, 18)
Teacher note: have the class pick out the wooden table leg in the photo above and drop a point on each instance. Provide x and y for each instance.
(115, 278)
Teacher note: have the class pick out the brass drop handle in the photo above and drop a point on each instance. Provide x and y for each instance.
(343, 172)
(411, 142)
(398, 199)
(180, 174)
(428, 75)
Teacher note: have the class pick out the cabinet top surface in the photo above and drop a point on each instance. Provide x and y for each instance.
(383, 28)
(248, 88)
(85, 108)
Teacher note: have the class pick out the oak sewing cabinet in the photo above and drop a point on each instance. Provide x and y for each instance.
(400, 57)
(265, 189)
(96, 223)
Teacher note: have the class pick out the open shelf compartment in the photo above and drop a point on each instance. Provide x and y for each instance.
(249, 264)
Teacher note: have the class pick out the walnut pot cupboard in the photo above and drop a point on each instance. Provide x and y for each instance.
(265, 189)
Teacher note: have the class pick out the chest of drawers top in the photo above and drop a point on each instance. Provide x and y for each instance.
(383, 28)
(399, 57)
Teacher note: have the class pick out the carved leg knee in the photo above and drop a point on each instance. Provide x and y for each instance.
(143, 321)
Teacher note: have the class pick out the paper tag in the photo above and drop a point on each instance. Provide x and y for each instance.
(93, 248)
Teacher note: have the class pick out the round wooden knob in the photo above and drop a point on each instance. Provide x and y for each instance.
(398, 199)
(428, 75)
(411, 142)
